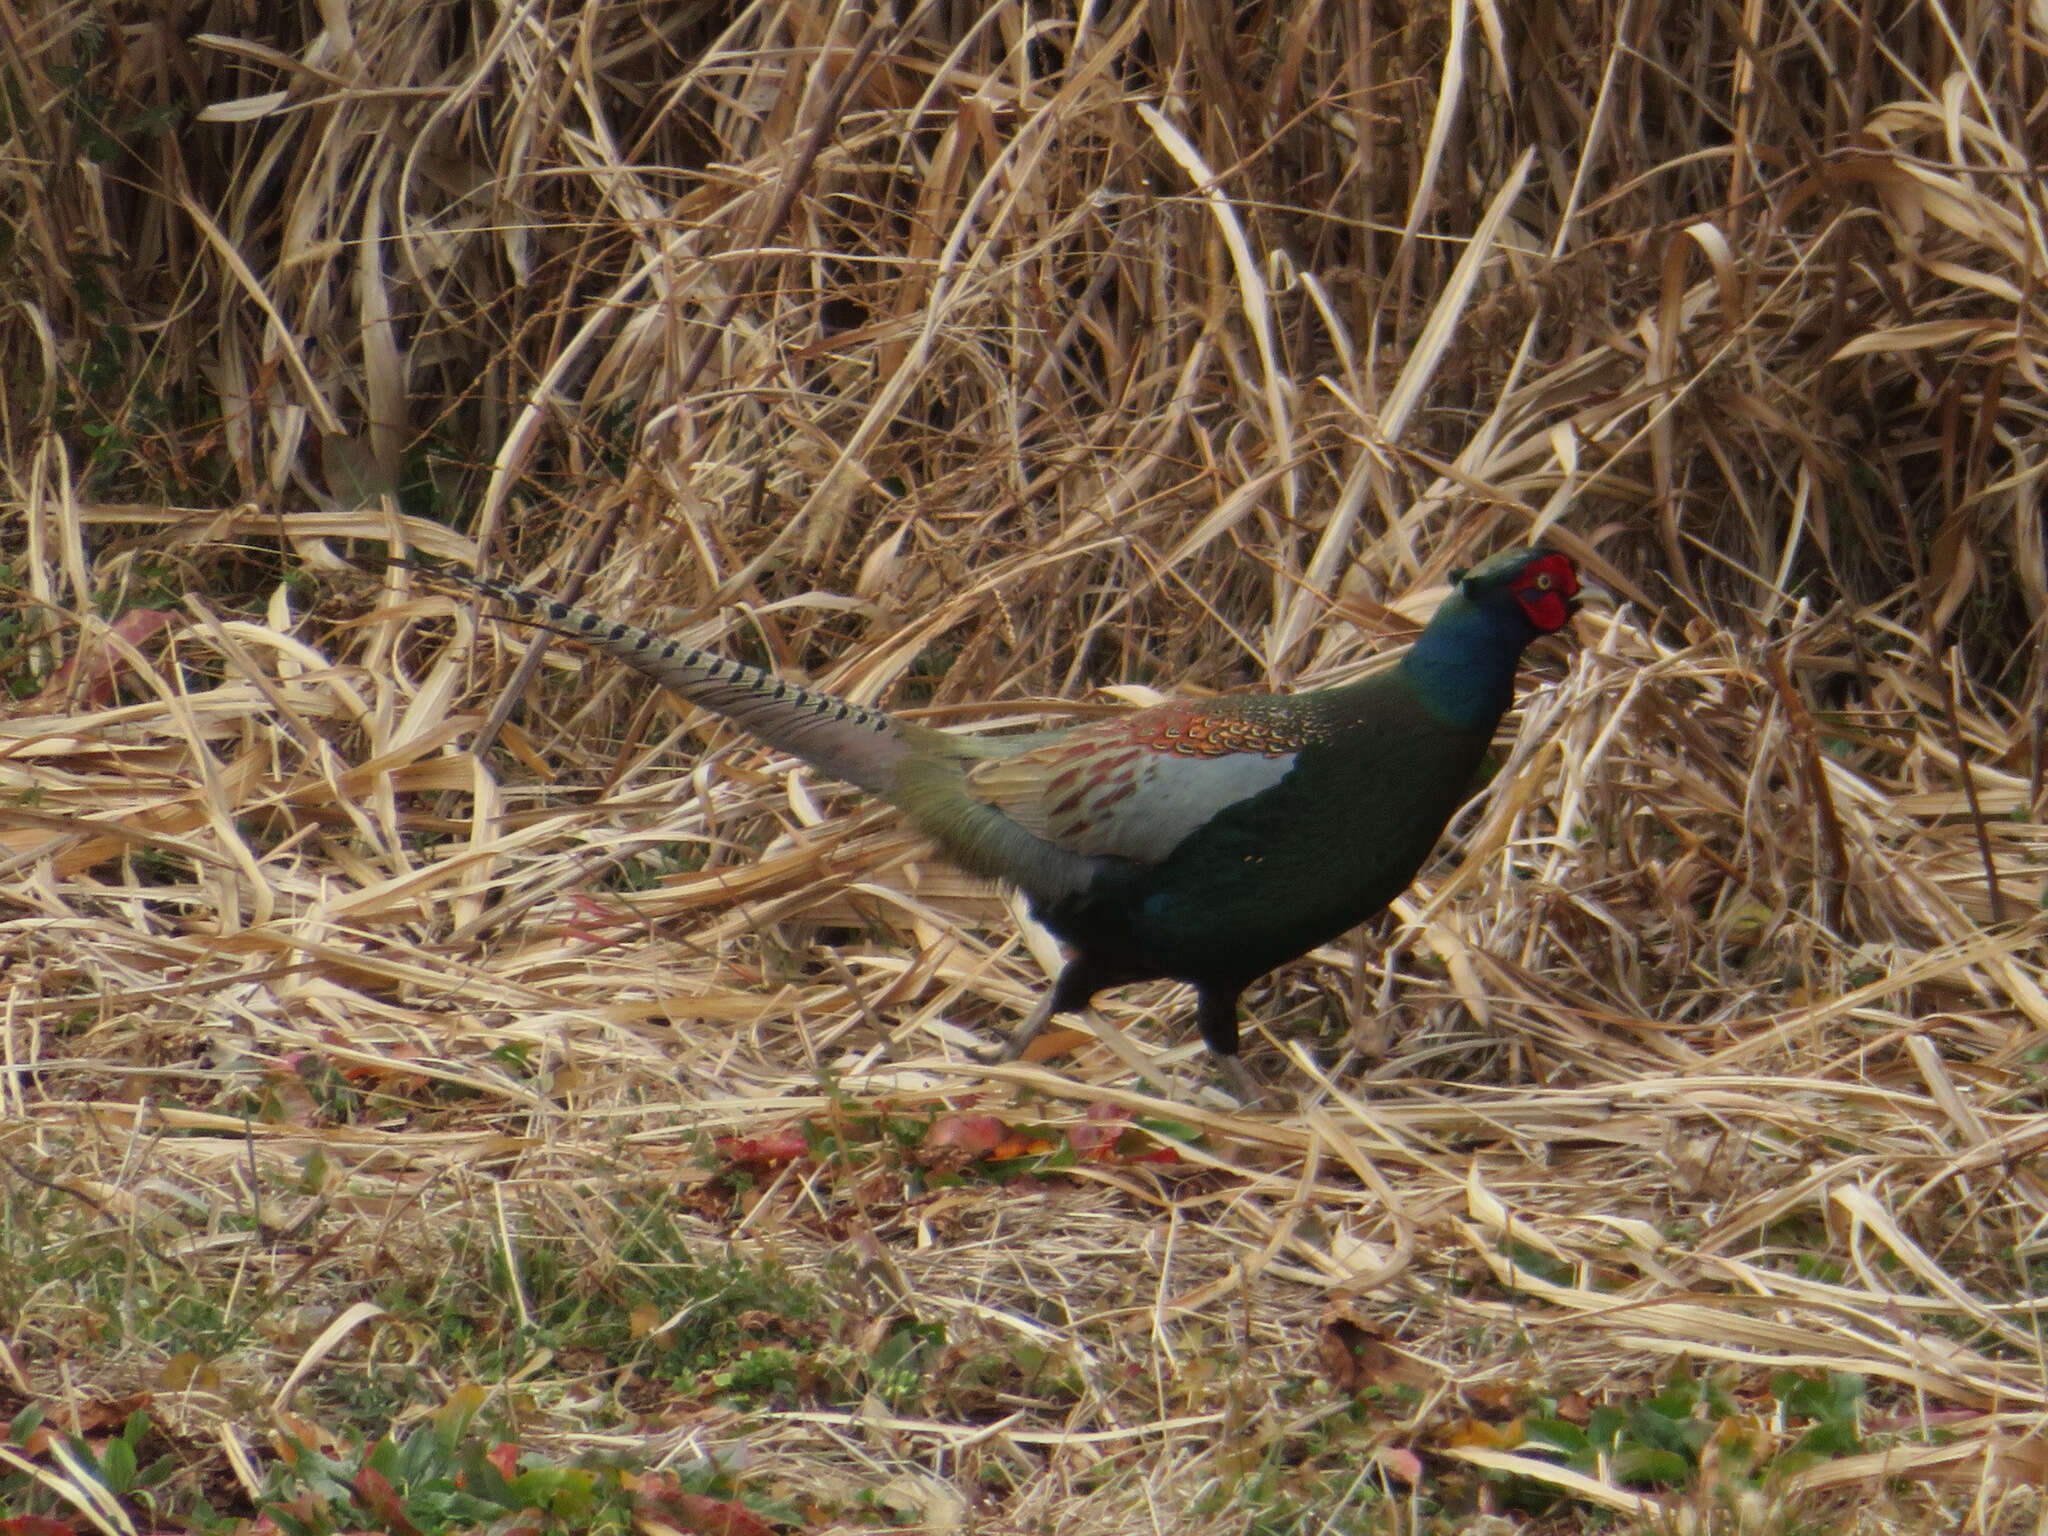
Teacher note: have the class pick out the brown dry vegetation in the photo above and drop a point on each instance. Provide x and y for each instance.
(977, 362)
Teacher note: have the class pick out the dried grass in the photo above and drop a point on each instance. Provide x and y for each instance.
(970, 363)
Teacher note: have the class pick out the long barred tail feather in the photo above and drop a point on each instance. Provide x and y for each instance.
(916, 767)
(846, 740)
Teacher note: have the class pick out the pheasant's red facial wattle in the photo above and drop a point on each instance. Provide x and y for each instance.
(1546, 591)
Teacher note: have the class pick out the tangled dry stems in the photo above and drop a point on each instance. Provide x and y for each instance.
(967, 365)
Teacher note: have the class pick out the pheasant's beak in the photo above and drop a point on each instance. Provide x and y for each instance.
(1591, 595)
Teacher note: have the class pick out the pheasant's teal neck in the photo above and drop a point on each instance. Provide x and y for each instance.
(1463, 667)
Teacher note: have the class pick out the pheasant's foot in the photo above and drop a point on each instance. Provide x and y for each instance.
(1018, 1041)
(1242, 1083)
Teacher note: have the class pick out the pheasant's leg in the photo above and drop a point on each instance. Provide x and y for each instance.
(1241, 1081)
(1018, 1041)
(1079, 980)
(1216, 1013)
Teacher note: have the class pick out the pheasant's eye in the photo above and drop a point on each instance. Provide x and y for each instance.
(1544, 582)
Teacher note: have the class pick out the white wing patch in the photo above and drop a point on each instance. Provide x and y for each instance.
(1108, 789)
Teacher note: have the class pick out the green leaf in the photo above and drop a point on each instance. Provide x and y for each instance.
(117, 1466)
(1649, 1427)
(1808, 1397)
(481, 1477)
(1604, 1426)
(1642, 1464)
(1561, 1433)
(1677, 1399)
(1826, 1441)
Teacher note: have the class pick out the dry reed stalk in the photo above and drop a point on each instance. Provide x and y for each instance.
(1116, 354)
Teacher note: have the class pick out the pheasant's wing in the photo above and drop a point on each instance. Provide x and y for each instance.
(1135, 786)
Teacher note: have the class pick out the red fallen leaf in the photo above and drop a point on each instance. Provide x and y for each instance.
(382, 1500)
(1402, 1464)
(975, 1135)
(1355, 1353)
(310, 1433)
(1350, 1355)
(505, 1457)
(36, 1525)
(1494, 1396)
(388, 1072)
(106, 1412)
(1101, 1128)
(290, 1100)
(775, 1147)
(1055, 1040)
(1101, 1132)
(704, 1515)
(1022, 1146)
(1480, 1435)
(1108, 1136)
(102, 662)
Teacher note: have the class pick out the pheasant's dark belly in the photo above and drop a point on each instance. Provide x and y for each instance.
(1220, 932)
(1264, 882)
(1245, 931)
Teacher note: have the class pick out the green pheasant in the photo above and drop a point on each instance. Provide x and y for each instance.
(1207, 840)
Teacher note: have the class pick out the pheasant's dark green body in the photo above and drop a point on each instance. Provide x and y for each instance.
(1207, 841)
(1273, 876)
